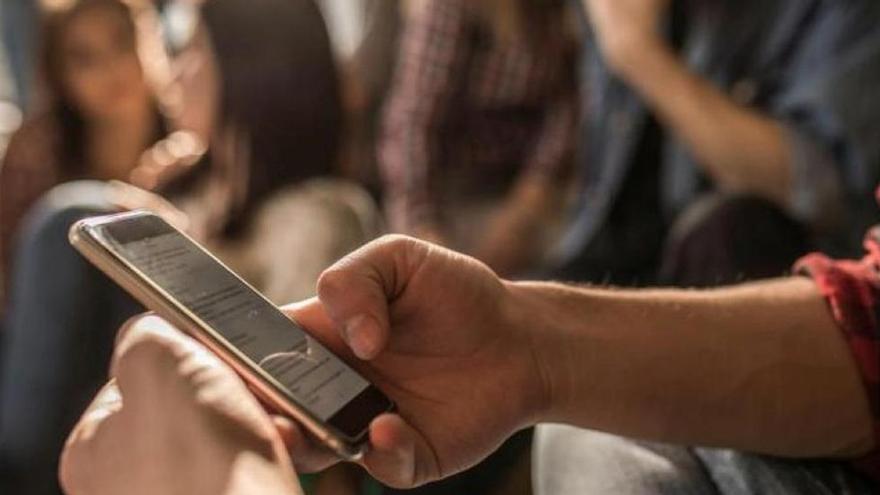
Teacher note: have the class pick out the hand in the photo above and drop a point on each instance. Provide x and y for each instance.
(129, 197)
(167, 160)
(175, 421)
(507, 244)
(436, 330)
(623, 27)
(515, 231)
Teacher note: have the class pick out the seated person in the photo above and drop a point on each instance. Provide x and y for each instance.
(479, 127)
(760, 105)
(104, 118)
(768, 387)
(268, 139)
(102, 112)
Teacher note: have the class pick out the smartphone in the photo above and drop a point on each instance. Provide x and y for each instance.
(182, 282)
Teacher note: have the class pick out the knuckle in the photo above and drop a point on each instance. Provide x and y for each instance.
(143, 353)
(128, 327)
(332, 281)
(395, 242)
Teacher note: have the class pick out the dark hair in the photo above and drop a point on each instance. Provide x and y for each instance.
(57, 16)
(280, 92)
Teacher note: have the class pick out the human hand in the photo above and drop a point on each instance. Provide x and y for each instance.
(507, 244)
(175, 421)
(167, 160)
(624, 27)
(439, 340)
(129, 197)
(516, 229)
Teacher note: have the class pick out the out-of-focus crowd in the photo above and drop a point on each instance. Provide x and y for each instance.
(684, 143)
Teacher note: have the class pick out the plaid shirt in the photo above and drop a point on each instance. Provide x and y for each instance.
(852, 289)
(462, 102)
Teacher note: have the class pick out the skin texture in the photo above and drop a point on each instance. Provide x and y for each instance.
(174, 420)
(469, 359)
(741, 149)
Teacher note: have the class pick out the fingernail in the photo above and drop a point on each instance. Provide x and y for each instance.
(356, 333)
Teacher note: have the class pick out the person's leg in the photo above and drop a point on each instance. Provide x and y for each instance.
(737, 473)
(62, 321)
(724, 239)
(572, 461)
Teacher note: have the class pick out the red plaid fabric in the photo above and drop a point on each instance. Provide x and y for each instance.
(852, 289)
(463, 103)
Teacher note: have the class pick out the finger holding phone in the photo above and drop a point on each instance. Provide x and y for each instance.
(468, 359)
(174, 419)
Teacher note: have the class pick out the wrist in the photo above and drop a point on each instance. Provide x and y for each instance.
(537, 321)
(626, 54)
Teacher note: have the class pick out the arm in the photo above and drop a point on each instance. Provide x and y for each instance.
(759, 368)
(742, 149)
(470, 359)
(434, 49)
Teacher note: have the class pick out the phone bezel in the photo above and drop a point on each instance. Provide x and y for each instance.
(85, 237)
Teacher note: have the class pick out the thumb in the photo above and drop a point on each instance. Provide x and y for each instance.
(356, 292)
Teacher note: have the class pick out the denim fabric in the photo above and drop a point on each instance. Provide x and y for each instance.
(811, 64)
(59, 337)
(569, 461)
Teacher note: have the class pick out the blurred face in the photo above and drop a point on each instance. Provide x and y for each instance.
(100, 67)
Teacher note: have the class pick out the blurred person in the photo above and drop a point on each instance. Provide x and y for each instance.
(10, 112)
(479, 126)
(278, 117)
(103, 119)
(365, 35)
(765, 387)
(18, 23)
(721, 138)
(103, 111)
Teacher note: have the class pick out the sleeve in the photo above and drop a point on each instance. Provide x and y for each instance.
(852, 290)
(433, 52)
(824, 106)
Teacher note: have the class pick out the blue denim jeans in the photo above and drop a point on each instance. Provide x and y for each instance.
(59, 334)
(569, 460)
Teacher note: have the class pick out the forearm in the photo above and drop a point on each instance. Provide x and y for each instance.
(759, 368)
(741, 149)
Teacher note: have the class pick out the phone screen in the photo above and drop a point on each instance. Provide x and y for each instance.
(315, 378)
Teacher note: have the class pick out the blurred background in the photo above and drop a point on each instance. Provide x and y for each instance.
(285, 133)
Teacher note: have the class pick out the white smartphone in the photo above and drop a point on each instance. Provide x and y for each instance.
(182, 282)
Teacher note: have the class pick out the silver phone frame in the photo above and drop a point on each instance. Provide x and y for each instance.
(152, 296)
